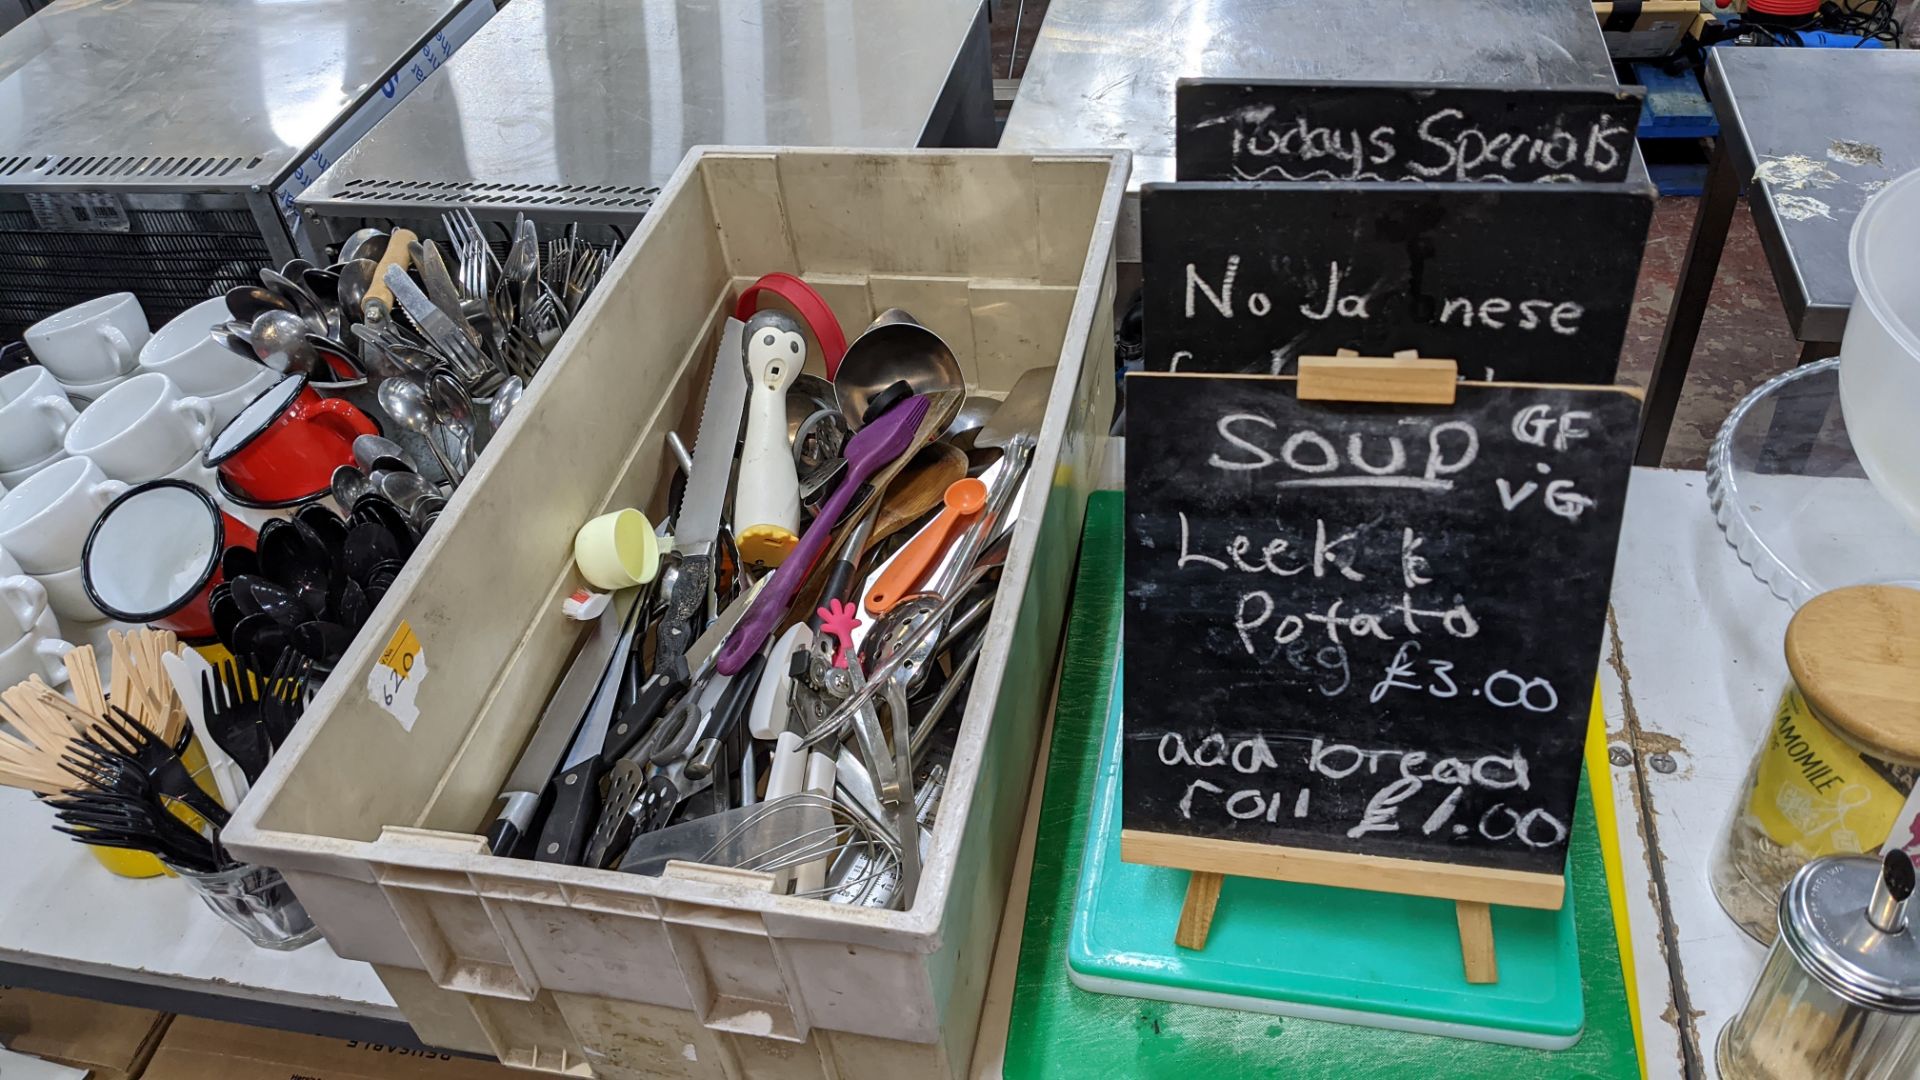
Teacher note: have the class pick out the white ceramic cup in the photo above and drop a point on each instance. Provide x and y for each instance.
(66, 594)
(184, 351)
(34, 417)
(13, 478)
(196, 472)
(87, 343)
(35, 652)
(23, 598)
(230, 404)
(142, 429)
(85, 394)
(44, 522)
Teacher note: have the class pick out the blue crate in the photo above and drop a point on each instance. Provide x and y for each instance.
(1675, 107)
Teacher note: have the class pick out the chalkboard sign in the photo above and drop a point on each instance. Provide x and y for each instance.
(1230, 129)
(1529, 282)
(1370, 629)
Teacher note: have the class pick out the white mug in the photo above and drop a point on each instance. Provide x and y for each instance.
(184, 351)
(34, 417)
(22, 597)
(36, 652)
(87, 343)
(66, 594)
(142, 429)
(228, 405)
(13, 478)
(44, 522)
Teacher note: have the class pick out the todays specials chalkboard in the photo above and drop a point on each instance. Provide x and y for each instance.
(1369, 629)
(1227, 129)
(1515, 281)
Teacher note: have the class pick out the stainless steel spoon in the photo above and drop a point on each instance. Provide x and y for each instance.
(349, 483)
(366, 244)
(406, 401)
(454, 410)
(325, 287)
(279, 339)
(304, 302)
(504, 399)
(406, 489)
(368, 449)
(225, 338)
(356, 276)
(249, 302)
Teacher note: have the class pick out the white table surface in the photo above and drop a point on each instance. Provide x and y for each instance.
(61, 910)
(1692, 667)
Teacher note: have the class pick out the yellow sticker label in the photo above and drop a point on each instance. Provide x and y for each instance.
(402, 649)
(1816, 794)
(394, 682)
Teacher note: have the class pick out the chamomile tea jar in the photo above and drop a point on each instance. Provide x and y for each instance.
(1836, 767)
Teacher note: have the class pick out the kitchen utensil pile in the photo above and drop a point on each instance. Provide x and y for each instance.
(434, 336)
(111, 761)
(779, 692)
(311, 583)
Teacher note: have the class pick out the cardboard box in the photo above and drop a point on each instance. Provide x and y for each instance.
(1646, 30)
(113, 1041)
(197, 1049)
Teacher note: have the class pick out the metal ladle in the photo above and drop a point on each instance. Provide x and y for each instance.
(896, 348)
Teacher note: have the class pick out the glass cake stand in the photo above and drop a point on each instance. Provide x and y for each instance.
(1792, 498)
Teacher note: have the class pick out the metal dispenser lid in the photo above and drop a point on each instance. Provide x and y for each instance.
(1845, 920)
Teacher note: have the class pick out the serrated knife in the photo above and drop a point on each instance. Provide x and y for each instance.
(696, 526)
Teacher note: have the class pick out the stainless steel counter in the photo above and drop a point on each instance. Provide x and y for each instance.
(1820, 130)
(233, 91)
(573, 109)
(1102, 72)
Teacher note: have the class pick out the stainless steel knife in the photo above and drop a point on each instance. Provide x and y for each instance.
(437, 325)
(574, 808)
(696, 525)
(520, 796)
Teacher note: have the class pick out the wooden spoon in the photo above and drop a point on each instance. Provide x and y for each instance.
(917, 489)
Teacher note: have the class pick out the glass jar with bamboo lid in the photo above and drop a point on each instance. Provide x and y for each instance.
(1835, 769)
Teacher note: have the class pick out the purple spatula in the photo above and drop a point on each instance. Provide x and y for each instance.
(870, 449)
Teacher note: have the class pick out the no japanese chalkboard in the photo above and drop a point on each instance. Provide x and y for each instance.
(1229, 129)
(1515, 281)
(1367, 629)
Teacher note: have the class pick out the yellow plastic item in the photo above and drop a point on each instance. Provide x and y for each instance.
(765, 544)
(127, 864)
(139, 864)
(617, 550)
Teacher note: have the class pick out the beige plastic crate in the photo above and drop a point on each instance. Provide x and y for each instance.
(704, 973)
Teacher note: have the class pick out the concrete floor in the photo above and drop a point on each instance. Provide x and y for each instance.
(1743, 342)
(1744, 339)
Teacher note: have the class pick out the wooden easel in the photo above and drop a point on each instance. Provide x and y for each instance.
(1404, 378)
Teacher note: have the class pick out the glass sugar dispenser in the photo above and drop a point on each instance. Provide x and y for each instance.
(1834, 773)
(1839, 998)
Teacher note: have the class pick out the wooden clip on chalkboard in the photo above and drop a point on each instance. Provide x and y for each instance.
(1363, 618)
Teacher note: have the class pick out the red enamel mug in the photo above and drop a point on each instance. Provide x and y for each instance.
(283, 447)
(153, 557)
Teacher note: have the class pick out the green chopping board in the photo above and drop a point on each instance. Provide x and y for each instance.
(1060, 1031)
(1311, 951)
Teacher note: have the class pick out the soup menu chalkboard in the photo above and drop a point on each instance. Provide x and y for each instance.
(1366, 628)
(1231, 129)
(1515, 281)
